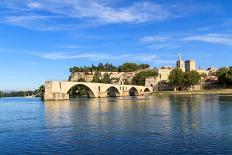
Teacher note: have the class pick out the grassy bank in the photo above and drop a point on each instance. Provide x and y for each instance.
(199, 92)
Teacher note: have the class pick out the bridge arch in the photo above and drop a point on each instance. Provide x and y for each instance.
(133, 91)
(75, 89)
(146, 90)
(113, 91)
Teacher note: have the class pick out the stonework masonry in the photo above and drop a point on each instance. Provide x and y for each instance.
(58, 90)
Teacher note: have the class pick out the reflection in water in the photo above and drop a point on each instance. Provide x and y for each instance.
(123, 125)
(101, 113)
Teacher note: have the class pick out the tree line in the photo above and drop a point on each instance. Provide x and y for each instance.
(18, 93)
(1, 94)
(179, 79)
(224, 75)
(38, 92)
(108, 67)
(140, 77)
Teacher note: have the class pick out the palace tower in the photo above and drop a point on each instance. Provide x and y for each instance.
(180, 63)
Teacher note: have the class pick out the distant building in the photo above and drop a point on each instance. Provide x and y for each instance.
(190, 65)
(180, 63)
(202, 71)
(162, 77)
(151, 82)
(163, 73)
(212, 71)
(161, 82)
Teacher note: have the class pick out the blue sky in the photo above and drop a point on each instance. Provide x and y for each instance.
(41, 39)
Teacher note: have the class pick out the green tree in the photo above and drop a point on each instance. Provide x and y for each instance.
(143, 66)
(140, 77)
(74, 69)
(42, 89)
(18, 93)
(1, 94)
(127, 82)
(81, 80)
(192, 78)
(93, 67)
(106, 78)
(128, 67)
(204, 75)
(221, 74)
(107, 67)
(228, 77)
(101, 67)
(176, 78)
(96, 77)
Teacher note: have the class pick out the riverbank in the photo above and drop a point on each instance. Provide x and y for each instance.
(199, 92)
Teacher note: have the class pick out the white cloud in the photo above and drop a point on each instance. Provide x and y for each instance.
(156, 42)
(168, 45)
(82, 13)
(155, 38)
(211, 38)
(103, 12)
(102, 57)
(37, 22)
(69, 55)
(18, 19)
(175, 41)
(70, 46)
(33, 5)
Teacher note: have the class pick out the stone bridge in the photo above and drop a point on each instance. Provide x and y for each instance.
(58, 90)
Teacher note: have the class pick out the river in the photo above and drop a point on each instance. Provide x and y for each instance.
(122, 125)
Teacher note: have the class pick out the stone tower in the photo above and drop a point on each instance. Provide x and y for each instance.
(180, 63)
(190, 65)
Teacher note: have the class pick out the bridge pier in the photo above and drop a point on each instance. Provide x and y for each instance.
(101, 94)
(56, 96)
(125, 93)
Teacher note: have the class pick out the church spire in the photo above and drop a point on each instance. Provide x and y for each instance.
(179, 56)
(180, 62)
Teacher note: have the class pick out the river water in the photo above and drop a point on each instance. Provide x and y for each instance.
(127, 125)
